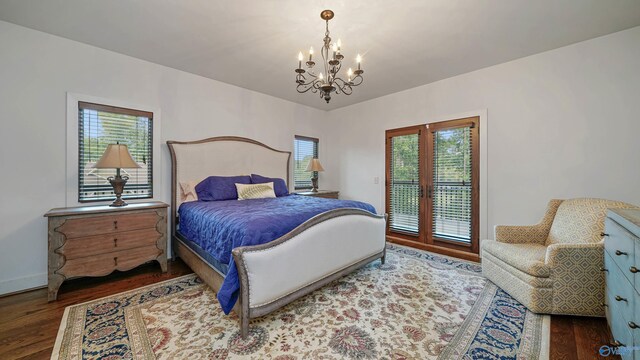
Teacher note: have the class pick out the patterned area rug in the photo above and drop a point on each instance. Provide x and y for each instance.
(417, 306)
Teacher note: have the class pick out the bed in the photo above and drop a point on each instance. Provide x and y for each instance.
(258, 277)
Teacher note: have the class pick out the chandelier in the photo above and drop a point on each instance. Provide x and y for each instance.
(317, 82)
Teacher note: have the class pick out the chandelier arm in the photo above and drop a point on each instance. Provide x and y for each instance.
(305, 87)
(354, 81)
(343, 86)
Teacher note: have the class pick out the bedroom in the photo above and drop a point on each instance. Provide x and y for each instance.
(551, 89)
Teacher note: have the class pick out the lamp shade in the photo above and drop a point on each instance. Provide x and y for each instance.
(314, 165)
(116, 156)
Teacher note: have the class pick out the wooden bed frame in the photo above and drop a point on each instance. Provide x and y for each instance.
(351, 238)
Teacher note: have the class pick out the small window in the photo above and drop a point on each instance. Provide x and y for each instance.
(305, 149)
(101, 125)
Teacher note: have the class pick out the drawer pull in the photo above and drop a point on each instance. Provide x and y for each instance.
(115, 261)
(633, 325)
(115, 224)
(115, 242)
(617, 343)
(603, 234)
(604, 269)
(604, 305)
(633, 269)
(620, 298)
(618, 252)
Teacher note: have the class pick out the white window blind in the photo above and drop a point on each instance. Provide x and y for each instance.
(101, 125)
(305, 149)
(405, 184)
(452, 171)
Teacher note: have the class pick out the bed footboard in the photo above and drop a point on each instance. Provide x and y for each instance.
(317, 252)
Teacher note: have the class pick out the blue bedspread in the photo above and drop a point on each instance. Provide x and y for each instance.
(220, 226)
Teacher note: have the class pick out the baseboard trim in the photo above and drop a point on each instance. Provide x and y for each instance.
(22, 284)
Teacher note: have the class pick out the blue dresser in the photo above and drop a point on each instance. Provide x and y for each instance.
(621, 268)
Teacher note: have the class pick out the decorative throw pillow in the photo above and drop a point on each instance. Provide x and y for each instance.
(215, 188)
(189, 190)
(279, 185)
(255, 191)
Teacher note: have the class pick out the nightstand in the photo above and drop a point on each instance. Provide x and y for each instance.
(97, 240)
(329, 194)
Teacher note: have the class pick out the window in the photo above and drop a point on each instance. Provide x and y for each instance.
(432, 182)
(101, 125)
(405, 181)
(305, 149)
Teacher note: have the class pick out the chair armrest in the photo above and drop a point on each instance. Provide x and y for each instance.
(513, 234)
(536, 234)
(587, 254)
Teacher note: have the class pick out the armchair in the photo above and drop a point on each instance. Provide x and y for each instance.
(553, 267)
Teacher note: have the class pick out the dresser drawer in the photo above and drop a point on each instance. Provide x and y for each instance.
(103, 264)
(620, 294)
(95, 225)
(100, 244)
(620, 332)
(620, 244)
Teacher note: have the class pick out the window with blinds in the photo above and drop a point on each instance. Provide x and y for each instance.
(452, 186)
(305, 149)
(101, 125)
(404, 187)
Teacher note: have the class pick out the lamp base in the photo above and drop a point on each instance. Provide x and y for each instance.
(314, 184)
(118, 186)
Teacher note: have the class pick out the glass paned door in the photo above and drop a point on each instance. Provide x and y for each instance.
(451, 186)
(405, 181)
(453, 199)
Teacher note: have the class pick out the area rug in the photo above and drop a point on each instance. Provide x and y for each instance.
(417, 306)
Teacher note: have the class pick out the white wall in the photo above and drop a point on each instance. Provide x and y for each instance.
(36, 72)
(561, 124)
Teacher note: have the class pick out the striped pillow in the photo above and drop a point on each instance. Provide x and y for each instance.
(255, 191)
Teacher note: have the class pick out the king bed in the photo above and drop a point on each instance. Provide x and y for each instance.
(261, 254)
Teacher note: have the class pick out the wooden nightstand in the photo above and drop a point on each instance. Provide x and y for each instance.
(96, 240)
(329, 194)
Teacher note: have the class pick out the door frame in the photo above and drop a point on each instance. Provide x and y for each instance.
(483, 226)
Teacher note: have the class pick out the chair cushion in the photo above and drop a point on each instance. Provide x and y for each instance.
(581, 220)
(528, 258)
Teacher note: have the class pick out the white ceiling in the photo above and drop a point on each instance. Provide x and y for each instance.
(254, 44)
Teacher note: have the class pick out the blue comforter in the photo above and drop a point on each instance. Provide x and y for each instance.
(220, 226)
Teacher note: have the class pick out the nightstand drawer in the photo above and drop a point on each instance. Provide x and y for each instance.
(99, 244)
(103, 264)
(95, 225)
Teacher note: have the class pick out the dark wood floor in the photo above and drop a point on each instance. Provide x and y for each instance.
(29, 324)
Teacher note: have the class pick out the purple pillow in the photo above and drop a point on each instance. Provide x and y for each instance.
(279, 186)
(216, 188)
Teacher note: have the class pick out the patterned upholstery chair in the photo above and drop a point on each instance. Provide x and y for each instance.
(553, 267)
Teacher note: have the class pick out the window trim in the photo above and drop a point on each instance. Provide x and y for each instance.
(317, 150)
(72, 156)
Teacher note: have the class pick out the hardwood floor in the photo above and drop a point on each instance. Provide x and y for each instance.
(29, 324)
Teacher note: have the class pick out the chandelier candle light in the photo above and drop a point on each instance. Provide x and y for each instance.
(332, 65)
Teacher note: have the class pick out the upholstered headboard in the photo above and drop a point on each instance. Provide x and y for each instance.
(222, 156)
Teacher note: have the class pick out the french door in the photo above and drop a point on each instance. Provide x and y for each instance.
(432, 186)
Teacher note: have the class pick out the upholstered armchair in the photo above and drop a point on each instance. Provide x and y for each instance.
(553, 267)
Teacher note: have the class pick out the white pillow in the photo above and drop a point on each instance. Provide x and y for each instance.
(255, 191)
(188, 191)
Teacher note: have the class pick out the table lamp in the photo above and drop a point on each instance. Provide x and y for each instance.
(117, 156)
(314, 165)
